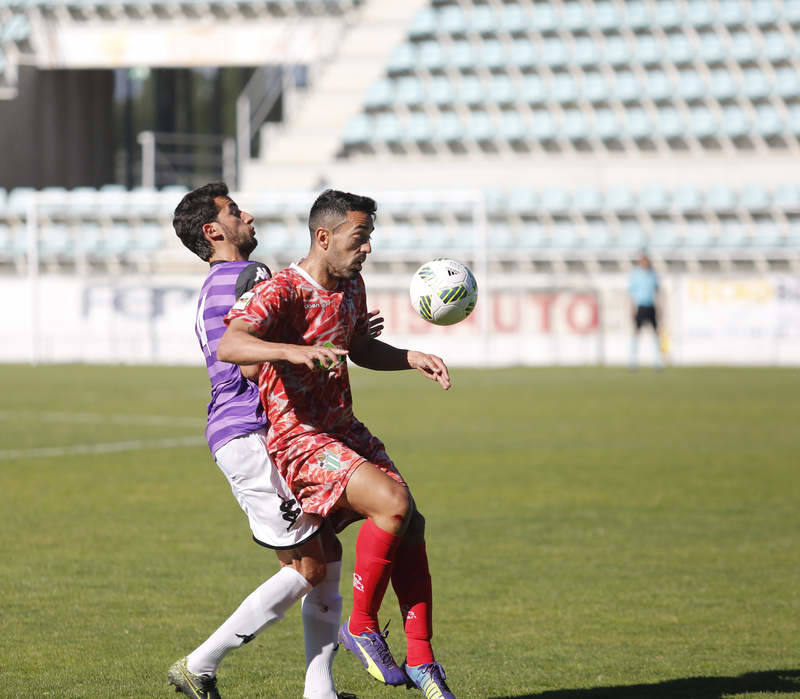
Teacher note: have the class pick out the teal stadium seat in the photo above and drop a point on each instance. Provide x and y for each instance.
(755, 84)
(440, 91)
(699, 13)
(626, 87)
(148, 238)
(722, 85)
(653, 198)
(575, 125)
(595, 88)
(409, 91)
(54, 240)
(419, 129)
(605, 15)
(768, 122)
(403, 59)
(462, 56)
(637, 15)
(575, 16)
(667, 14)
(766, 233)
(470, 91)
(19, 202)
(699, 234)
(533, 89)
(743, 48)
(606, 125)
(702, 123)
(617, 52)
(522, 201)
(543, 125)
(431, 55)
(84, 203)
(794, 119)
(501, 237)
(544, 17)
(523, 54)
(118, 240)
(532, 236)
(564, 235)
(620, 199)
(754, 198)
(679, 48)
(423, 23)
(387, 128)
(735, 122)
(502, 90)
(380, 94)
(585, 51)
(665, 235)
(481, 127)
(691, 85)
(563, 88)
(658, 86)
(712, 49)
(630, 235)
(587, 200)
(5, 240)
(483, 20)
(492, 54)
(515, 20)
(686, 198)
(720, 198)
(648, 51)
(638, 125)
(554, 200)
(452, 20)
(597, 235)
(670, 124)
(774, 47)
(512, 127)
(786, 198)
(554, 52)
(733, 233)
(731, 13)
(449, 128)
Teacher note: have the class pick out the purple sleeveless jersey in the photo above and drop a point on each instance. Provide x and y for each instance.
(235, 408)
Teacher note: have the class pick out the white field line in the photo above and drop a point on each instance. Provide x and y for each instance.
(157, 420)
(101, 448)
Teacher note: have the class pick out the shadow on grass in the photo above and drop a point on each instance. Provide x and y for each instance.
(787, 681)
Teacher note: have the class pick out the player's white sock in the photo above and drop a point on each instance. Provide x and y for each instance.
(659, 361)
(322, 614)
(634, 351)
(263, 607)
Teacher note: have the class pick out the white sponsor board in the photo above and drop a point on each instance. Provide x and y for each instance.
(705, 320)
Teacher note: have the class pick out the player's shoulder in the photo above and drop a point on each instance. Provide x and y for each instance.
(252, 274)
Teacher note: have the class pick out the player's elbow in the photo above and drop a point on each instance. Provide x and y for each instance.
(226, 348)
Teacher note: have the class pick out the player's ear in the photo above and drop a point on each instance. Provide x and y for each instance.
(211, 232)
(323, 237)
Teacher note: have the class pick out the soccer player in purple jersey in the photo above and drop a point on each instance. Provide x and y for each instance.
(211, 225)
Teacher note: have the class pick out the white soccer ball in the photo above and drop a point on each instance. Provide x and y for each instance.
(443, 291)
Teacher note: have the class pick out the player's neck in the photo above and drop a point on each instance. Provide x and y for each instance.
(318, 271)
(228, 254)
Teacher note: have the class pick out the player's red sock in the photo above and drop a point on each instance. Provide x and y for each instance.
(411, 581)
(375, 551)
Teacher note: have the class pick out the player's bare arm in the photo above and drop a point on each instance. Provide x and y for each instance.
(240, 345)
(374, 354)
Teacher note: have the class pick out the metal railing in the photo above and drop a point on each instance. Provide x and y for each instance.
(186, 159)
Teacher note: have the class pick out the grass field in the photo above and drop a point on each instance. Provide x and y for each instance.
(592, 533)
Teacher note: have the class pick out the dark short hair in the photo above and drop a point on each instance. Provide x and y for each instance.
(333, 204)
(195, 210)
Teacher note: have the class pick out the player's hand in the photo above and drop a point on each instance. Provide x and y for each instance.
(375, 324)
(314, 356)
(430, 366)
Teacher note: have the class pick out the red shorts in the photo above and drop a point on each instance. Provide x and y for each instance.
(317, 467)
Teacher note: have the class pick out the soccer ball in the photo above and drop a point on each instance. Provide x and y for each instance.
(443, 291)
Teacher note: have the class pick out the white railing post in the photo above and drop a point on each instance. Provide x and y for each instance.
(242, 134)
(147, 139)
(32, 235)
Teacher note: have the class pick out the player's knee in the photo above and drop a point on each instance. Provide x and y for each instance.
(312, 570)
(400, 506)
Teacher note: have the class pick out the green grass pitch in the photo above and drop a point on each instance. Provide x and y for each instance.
(592, 533)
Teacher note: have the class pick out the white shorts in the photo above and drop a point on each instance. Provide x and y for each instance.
(276, 520)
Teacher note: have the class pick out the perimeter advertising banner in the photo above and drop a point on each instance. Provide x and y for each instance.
(705, 320)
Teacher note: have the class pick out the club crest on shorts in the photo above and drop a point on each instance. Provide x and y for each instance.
(329, 461)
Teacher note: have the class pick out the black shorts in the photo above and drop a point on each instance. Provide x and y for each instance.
(645, 315)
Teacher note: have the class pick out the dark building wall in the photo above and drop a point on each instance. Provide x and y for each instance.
(59, 130)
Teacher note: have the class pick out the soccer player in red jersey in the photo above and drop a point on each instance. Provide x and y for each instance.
(302, 324)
